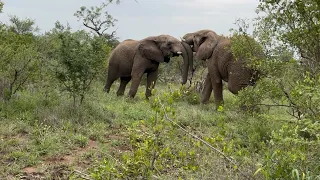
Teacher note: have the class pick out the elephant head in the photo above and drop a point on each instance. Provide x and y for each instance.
(188, 38)
(161, 48)
(203, 42)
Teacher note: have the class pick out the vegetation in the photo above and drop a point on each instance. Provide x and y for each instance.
(57, 123)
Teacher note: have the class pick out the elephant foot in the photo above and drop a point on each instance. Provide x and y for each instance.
(147, 97)
(120, 93)
(204, 101)
(131, 95)
(106, 90)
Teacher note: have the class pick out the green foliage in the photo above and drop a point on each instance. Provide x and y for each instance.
(80, 59)
(20, 59)
(286, 84)
(152, 153)
(295, 23)
(1, 6)
(190, 95)
(112, 137)
(247, 49)
(19, 26)
(307, 175)
(280, 161)
(296, 87)
(39, 126)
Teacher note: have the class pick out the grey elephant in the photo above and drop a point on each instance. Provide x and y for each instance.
(221, 64)
(132, 58)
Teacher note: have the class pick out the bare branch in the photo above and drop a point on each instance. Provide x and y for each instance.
(86, 25)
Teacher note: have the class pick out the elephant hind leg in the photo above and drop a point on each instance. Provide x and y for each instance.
(123, 84)
(112, 76)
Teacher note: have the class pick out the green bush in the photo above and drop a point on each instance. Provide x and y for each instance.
(79, 60)
(19, 57)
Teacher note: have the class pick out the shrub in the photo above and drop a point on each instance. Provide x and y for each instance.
(79, 60)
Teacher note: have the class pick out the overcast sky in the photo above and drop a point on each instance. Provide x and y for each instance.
(137, 20)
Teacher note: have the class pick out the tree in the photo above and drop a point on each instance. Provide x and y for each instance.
(97, 19)
(297, 25)
(289, 32)
(22, 26)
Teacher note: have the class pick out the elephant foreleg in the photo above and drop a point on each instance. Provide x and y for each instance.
(206, 92)
(217, 91)
(151, 82)
(123, 84)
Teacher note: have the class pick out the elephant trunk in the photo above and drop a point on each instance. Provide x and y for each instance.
(185, 70)
(190, 55)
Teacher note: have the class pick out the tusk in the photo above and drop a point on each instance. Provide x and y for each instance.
(182, 39)
(179, 52)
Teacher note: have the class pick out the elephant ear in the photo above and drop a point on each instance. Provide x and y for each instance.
(205, 50)
(151, 51)
(207, 46)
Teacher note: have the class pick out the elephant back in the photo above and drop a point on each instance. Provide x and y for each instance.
(123, 54)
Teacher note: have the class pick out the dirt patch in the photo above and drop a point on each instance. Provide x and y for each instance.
(115, 137)
(121, 146)
(31, 173)
(21, 137)
(30, 170)
(67, 159)
(92, 144)
(61, 160)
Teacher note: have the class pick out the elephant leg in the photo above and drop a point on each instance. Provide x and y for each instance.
(123, 84)
(112, 76)
(217, 91)
(151, 82)
(136, 78)
(206, 92)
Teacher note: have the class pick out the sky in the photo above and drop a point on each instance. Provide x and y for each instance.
(141, 18)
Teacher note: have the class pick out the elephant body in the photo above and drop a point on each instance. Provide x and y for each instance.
(132, 58)
(221, 64)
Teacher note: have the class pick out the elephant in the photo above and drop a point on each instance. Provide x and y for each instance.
(132, 58)
(221, 64)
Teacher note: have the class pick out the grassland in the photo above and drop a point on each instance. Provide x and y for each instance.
(43, 136)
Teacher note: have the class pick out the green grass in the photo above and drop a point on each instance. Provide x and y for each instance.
(44, 131)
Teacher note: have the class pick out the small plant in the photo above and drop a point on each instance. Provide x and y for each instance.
(80, 140)
(190, 95)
